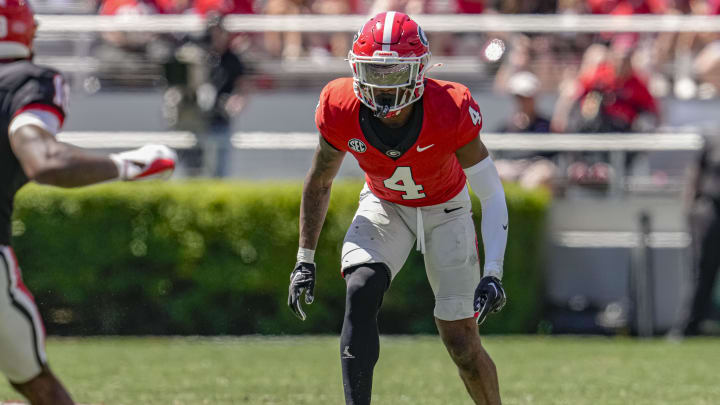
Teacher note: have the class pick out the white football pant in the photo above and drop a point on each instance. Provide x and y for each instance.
(384, 232)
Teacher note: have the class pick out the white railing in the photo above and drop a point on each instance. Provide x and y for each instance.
(617, 144)
(128, 140)
(56, 24)
(308, 140)
(604, 239)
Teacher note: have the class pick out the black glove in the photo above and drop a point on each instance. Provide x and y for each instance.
(489, 297)
(302, 279)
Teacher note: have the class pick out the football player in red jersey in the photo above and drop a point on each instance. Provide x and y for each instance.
(33, 106)
(417, 140)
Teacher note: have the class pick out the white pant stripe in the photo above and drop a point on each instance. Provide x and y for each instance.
(24, 303)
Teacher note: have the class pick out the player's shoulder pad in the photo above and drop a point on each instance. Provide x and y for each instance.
(339, 94)
(448, 96)
(34, 85)
(32, 70)
(45, 71)
(454, 101)
(337, 103)
(18, 73)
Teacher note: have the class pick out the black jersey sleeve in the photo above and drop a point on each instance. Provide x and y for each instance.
(44, 90)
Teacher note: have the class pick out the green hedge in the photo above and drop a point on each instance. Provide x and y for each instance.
(203, 257)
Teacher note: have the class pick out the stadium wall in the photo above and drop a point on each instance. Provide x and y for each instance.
(209, 258)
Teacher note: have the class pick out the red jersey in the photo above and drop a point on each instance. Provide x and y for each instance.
(428, 172)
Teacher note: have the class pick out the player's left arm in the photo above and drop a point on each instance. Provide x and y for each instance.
(38, 111)
(48, 161)
(485, 182)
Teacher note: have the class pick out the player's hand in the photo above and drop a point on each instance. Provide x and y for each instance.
(489, 297)
(148, 162)
(302, 279)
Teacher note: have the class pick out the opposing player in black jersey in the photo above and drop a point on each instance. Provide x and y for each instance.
(32, 110)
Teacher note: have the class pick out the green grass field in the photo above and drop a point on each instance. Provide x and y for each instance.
(412, 370)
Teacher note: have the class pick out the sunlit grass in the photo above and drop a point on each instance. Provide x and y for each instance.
(412, 370)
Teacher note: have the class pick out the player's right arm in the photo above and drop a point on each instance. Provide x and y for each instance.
(316, 192)
(313, 208)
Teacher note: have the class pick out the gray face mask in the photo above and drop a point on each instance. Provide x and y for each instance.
(390, 84)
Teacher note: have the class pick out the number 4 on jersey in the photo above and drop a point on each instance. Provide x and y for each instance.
(475, 115)
(402, 180)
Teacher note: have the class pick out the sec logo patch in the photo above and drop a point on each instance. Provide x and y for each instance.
(357, 145)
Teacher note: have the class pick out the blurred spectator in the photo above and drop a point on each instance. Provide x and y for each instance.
(172, 6)
(120, 7)
(409, 7)
(539, 54)
(336, 44)
(122, 55)
(517, 58)
(529, 169)
(628, 7)
(524, 6)
(567, 88)
(223, 96)
(607, 96)
(470, 6)
(706, 67)
(704, 223)
(205, 7)
(625, 7)
(524, 86)
(686, 61)
(284, 44)
(206, 91)
(714, 7)
(610, 96)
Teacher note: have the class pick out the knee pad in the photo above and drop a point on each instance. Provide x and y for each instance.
(366, 285)
(375, 273)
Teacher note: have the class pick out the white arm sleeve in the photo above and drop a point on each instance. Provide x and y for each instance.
(486, 184)
(43, 119)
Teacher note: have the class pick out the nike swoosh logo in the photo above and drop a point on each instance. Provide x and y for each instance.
(447, 211)
(419, 149)
(505, 227)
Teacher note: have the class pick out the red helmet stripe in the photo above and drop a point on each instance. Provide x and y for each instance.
(387, 30)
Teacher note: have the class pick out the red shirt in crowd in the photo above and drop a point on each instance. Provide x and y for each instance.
(203, 7)
(627, 7)
(713, 7)
(113, 7)
(624, 98)
(470, 6)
